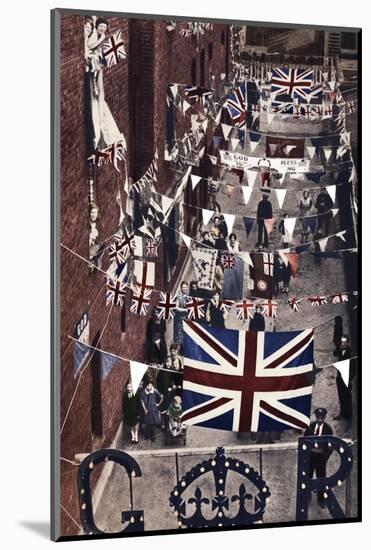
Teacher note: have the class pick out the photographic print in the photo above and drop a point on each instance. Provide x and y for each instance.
(206, 368)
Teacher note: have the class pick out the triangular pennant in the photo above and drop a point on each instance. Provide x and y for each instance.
(345, 138)
(218, 116)
(293, 260)
(206, 216)
(245, 256)
(281, 193)
(137, 371)
(226, 130)
(269, 225)
(273, 148)
(327, 151)
(248, 222)
(332, 84)
(166, 205)
(204, 124)
(251, 177)
(334, 211)
(289, 224)
(253, 145)
(288, 149)
(194, 123)
(213, 159)
(195, 180)
(283, 254)
(234, 143)
(185, 106)
(174, 90)
(353, 174)
(331, 190)
(341, 235)
(246, 193)
(201, 153)
(229, 220)
(322, 243)
(187, 240)
(344, 368)
(311, 151)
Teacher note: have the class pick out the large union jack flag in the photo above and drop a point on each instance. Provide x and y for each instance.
(236, 105)
(294, 82)
(247, 381)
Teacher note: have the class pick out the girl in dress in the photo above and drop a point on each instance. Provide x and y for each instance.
(151, 400)
(181, 313)
(233, 243)
(131, 411)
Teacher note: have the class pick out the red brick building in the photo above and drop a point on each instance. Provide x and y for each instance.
(135, 90)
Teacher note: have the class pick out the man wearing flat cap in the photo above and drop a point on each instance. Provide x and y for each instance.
(319, 456)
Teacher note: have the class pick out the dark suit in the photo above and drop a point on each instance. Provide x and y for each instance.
(344, 392)
(319, 457)
(264, 212)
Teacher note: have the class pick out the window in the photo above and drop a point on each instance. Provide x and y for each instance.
(202, 67)
(194, 72)
(210, 51)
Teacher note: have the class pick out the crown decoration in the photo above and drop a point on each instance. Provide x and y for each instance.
(220, 465)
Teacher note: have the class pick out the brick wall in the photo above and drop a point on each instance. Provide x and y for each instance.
(135, 91)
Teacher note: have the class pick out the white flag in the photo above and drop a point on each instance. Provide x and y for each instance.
(311, 151)
(206, 216)
(289, 225)
(331, 189)
(341, 235)
(246, 190)
(253, 145)
(185, 106)
(323, 244)
(288, 149)
(327, 151)
(234, 143)
(174, 90)
(218, 117)
(251, 177)
(137, 371)
(245, 256)
(334, 211)
(187, 240)
(226, 130)
(229, 220)
(332, 84)
(273, 147)
(213, 159)
(166, 205)
(195, 180)
(281, 193)
(343, 367)
(282, 253)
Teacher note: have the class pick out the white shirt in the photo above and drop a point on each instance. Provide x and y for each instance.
(318, 429)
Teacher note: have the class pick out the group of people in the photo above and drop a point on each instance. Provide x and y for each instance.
(156, 404)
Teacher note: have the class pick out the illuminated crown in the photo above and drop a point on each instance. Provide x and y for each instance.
(202, 511)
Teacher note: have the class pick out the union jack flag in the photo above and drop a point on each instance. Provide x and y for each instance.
(151, 248)
(270, 308)
(245, 310)
(99, 157)
(236, 105)
(227, 261)
(318, 300)
(120, 249)
(268, 263)
(247, 381)
(339, 298)
(166, 306)
(116, 291)
(285, 107)
(114, 153)
(350, 107)
(196, 308)
(197, 92)
(222, 305)
(140, 300)
(114, 49)
(294, 303)
(295, 82)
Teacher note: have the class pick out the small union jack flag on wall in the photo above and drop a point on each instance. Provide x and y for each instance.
(99, 157)
(114, 49)
(294, 303)
(270, 308)
(339, 298)
(318, 300)
(120, 249)
(151, 248)
(245, 310)
(116, 291)
(140, 300)
(227, 261)
(222, 305)
(166, 306)
(196, 308)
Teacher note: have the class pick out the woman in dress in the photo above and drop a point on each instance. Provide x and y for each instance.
(233, 243)
(131, 411)
(181, 313)
(305, 206)
(151, 400)
(104, 128)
